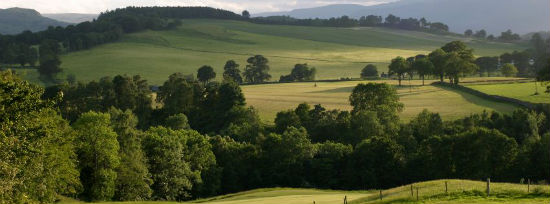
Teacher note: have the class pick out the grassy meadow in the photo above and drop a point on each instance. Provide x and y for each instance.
(521, 91)
(269, 99)
(459, 191)
(335, 52)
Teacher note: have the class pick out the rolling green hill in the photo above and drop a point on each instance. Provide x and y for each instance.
(459, 191)
(335, 52)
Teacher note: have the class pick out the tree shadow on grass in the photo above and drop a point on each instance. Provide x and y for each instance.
(486, 103)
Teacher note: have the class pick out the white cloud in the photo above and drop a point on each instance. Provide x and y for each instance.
(96, 6)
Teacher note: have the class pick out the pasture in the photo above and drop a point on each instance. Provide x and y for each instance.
(335, 52)
(521, 91)
(459, 191)
(269, 99)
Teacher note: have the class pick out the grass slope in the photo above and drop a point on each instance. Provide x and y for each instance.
(449, 103)
(459, 191)
(335, 52)
(521, 91)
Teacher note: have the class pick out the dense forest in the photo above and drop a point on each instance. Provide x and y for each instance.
(110, 140)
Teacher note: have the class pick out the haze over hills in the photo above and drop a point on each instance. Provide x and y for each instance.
(72, 17)
(17, 20)
(495, 16)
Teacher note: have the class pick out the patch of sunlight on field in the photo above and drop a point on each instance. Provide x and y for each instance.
(521, 91)
(449, 103)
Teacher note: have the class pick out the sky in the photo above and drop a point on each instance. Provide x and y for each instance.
(96, 6)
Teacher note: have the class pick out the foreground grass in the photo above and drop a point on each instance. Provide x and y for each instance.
(335, 52)
(433, 192)
(449, 103)
(462, 191)
(521, 91)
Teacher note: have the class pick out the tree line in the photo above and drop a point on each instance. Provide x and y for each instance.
(455, 60)
(506, 36)
(391, 21)
(110, 140)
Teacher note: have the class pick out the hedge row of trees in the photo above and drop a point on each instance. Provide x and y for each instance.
(528, 62)
(454, 60)
(506, 36)
(370, 20)
(105, 140)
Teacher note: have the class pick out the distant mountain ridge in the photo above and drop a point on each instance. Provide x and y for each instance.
(17, 20)
(71, 17)
(495, 16)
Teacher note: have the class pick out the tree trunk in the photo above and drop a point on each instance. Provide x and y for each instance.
(441, 77)
(456, 80)
(399, 79)
(422, 80)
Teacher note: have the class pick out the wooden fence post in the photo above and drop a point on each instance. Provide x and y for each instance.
(412, 191)
(417, 193)
(488, 187)
(345, 199)
(380, 194)
(446, 188)
(528, 185)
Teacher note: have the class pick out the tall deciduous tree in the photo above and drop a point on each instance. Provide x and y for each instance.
(257, 70)
(423, 67)
(205, 74)
(232, 72)
(509, 70)
(37, 159)
(133, 178)
(176, 160)
(49, 59)
(438, 58)
(369, 71)
(398, 66)
(98, 155)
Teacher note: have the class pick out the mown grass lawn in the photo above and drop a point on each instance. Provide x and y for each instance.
(521, 91)
(269, 99)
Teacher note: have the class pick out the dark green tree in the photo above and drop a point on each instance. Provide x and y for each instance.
(369, 71)
(98, 155)
(49, 59)
(232, 72)
(468, 33)
(176, 160)
(487, 64)
(133, 179)
(205, 74)
(509, 70)
(439, 59)
(245, 14)
(423, 67)
(398, 66)
(176, 95)
(37, 157)
(257, 70)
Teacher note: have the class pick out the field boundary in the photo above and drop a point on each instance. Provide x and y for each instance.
(496, 98)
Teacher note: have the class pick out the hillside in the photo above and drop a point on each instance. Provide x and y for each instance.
(71, 17)
(493, 15)
(335, 52)
(17, 20)
(459, 191)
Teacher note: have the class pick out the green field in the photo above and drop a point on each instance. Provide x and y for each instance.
(451, 104)
(335, 52)
(521, 91)
(459, 191)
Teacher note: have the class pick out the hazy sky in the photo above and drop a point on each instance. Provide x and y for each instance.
(96, 6)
